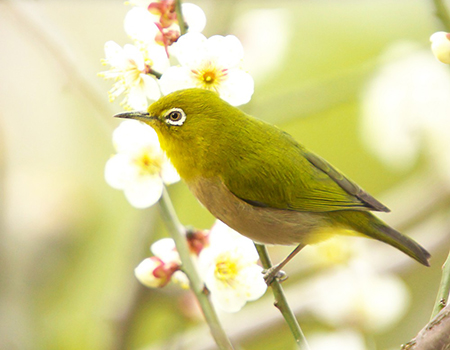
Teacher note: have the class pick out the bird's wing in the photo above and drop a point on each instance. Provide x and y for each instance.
(346, 184)
(296, 179)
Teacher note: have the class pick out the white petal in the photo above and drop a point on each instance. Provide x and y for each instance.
(194, 17)
(151, 87)
(139, 24)
(169, 174)
(190, 49)
(119, 171)
(176, 78)
(227, 300)
(144, 192)
(132, 136)
(253, 284)
(238, 88)
(158, 55)
(114, 54)
(228, 50)
(137, 99)
(134, 56)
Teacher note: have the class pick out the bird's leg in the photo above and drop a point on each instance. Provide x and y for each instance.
(275, 271)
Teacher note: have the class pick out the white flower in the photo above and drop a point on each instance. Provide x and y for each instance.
(406, 105)
(212, 64)
(129, 72)
(340, 340)
(229, 269)
(140, 167)
(359, 297)
(440, 45)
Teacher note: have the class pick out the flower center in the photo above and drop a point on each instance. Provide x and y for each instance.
(149, 164)
(226, 269)
(209, 76)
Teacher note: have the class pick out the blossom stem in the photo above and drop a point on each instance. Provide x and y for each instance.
(444, 288)
(181, 22)
(281, 302)
(178, 234)
(442, 13)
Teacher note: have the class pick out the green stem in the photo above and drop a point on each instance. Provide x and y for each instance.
(281, 302)
(442, 13)
(181, 22)
(178, 233)
(444, 289)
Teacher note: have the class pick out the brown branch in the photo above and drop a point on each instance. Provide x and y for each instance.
(435, 335)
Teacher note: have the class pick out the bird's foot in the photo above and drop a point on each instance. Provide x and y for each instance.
(274, 273)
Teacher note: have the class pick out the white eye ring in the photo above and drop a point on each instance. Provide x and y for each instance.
(175, 116)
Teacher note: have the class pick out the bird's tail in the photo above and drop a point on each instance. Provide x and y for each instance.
(371, 226)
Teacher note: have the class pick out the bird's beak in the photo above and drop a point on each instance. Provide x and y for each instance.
(138, 115)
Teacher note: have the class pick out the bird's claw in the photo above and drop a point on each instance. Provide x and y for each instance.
(273, 273)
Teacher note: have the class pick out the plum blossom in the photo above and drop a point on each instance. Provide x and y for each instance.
(129, 70)
(212, 64)
(139, 167)
(229, 269)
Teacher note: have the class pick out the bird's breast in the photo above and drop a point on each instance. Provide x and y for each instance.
(263, 225)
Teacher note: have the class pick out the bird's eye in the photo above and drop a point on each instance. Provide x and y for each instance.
(175, 117)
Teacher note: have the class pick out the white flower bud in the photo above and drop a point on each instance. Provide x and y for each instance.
(440, 45)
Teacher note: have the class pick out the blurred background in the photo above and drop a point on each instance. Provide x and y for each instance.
(352, 80)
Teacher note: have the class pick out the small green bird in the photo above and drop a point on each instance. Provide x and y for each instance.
(261, 182)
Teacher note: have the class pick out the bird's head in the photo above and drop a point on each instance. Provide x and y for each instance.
(188, 123)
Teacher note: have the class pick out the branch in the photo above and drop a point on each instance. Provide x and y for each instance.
(177, 232)
(281, 302)
(435, 335)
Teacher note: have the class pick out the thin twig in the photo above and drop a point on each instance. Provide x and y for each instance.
(281, 302)
(181, 22)
(444, 288)
(177, 232)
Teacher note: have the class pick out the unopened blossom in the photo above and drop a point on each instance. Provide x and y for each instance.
(163, 267)
(440, 45)
(154, 273)
(139, 167)
(229, 269)
(212, 64)
(129, 72)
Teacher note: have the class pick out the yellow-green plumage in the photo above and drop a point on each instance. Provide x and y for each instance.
(258, 179)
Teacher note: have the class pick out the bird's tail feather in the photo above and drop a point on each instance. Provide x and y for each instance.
(371, 226)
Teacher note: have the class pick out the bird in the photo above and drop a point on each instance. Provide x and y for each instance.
(259, 180)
